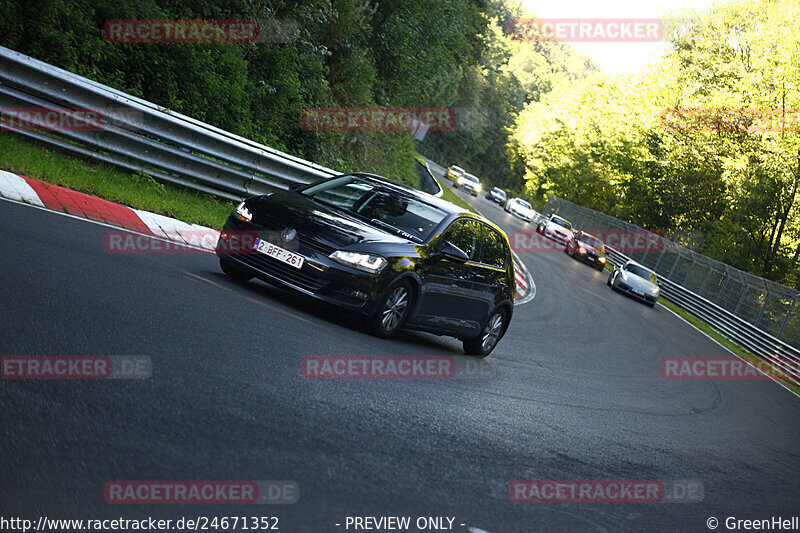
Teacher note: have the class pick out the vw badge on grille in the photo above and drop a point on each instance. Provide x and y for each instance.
(288, 234)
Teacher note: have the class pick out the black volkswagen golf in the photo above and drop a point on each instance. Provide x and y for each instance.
(398, 257)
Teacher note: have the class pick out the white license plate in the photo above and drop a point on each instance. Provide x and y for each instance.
(276, 252)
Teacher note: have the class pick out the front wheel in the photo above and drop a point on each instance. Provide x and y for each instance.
(392, 311)
(483, 344)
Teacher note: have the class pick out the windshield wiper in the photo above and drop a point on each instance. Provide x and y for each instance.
(397, 231)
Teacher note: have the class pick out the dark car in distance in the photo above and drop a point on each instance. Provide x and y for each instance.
(587, 248)
(394, 255)
(497, 195)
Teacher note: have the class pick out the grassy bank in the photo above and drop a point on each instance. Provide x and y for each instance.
(134, 190)
(450, 195)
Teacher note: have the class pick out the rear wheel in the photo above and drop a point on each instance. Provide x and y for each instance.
(393, 310)
(234, 271)
(483, 344)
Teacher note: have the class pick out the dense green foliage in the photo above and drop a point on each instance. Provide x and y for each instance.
(531, 117)
(328, 53)
(721, 180)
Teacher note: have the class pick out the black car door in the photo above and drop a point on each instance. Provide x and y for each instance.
(452, 292)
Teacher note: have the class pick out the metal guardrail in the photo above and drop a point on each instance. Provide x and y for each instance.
(140, 136)
(782, 356)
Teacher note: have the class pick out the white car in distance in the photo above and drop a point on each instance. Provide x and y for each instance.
(520, 208)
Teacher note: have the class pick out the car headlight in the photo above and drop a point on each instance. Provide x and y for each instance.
(602, 259)
(242, 213)
(368, 263)
(581, 250)
(655, 290)
(478, 187)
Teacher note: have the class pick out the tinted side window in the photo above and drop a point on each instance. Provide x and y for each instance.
(494, 250)
(466, 234)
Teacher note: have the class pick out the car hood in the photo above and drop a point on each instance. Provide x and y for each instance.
(642, 284)
(560, 229)
(285, 209)
(590, 248)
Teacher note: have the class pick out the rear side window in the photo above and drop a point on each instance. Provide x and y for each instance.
(494, 249)
(466, 234)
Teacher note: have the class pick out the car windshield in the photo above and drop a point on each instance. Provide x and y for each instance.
(470, 177)
(458, 170)
(591, 241)
(561, 222)
(524, 204)
(642, 272)
(499, 192)
(379, 205)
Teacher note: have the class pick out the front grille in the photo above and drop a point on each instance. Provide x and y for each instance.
(283, 271)
(306, 242)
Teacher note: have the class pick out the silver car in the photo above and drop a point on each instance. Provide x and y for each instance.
(636, 281)
(470, 183)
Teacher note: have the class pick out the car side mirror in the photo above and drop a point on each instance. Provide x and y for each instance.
(453, 253)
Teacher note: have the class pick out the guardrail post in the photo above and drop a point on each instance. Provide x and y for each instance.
(764, 306)
(786, 318)
(703, 285)
(724, 286)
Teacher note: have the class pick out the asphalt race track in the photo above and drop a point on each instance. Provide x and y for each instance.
(574, 391)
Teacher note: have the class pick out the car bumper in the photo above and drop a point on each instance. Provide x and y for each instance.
(626, 289)
(320, 277)
(519, 215)
(590, 259)
(558, 237)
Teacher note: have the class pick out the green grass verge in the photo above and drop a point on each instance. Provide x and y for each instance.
(450, 195)
(134, 190)
(727, 343)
